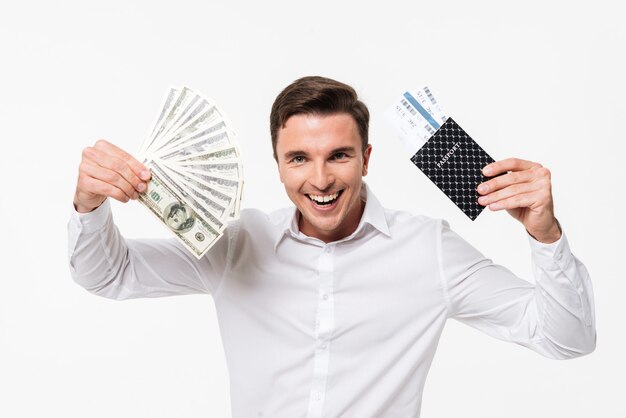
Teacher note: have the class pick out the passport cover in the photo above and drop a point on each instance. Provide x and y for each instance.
(453, 161)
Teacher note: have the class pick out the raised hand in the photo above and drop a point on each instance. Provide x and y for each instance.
(108, 171)
(525, 191)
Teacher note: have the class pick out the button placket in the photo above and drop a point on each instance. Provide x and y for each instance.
(324, 324)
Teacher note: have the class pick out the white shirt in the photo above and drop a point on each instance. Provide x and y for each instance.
(348, 328)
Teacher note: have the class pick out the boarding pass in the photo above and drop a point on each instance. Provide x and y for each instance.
(440, 148)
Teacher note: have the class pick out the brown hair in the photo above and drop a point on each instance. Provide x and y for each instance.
(318, 96)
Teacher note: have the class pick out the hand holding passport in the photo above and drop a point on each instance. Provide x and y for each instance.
(452, 160)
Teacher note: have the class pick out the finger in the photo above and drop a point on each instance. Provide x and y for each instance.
(99, 187)
(110, 177)
(509, 164)
(538, 174)
(503, 181)
(507, 192)
(138, 169)
(111, 162)
(524, 200)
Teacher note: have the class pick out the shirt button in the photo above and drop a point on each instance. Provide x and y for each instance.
(325, 296)
(327, 249)
(317, 396)
(323, 346)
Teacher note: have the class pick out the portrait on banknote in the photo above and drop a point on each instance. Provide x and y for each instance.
(178, 217)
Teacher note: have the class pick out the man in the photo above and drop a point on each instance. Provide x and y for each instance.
(334, 308)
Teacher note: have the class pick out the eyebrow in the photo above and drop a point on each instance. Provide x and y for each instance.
(343, 149)
(291, 154)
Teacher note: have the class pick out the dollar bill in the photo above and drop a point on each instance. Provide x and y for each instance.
(175, 109)
(207, 141)
(228, 153)
(165, 106)
(207, 132)
(230, 170)
(197, 175)
(227, 186)
(207, 121)
(178, 217)
(212, 218)
(189, 101)
(215, 201)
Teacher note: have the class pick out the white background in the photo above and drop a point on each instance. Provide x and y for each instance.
(538, 80)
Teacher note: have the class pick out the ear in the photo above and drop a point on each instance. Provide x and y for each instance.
(366, 159)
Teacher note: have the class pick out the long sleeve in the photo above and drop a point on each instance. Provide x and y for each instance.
(554, 317)
(106, 264)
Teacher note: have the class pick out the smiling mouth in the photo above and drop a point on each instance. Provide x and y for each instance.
(325, 200)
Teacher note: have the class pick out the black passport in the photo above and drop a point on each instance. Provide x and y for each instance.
(453, 161)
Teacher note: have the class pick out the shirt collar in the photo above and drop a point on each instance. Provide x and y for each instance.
(373, 214)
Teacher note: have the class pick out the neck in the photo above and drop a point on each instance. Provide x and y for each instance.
(347, 227)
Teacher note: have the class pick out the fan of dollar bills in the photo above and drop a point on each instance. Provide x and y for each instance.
(197, 177)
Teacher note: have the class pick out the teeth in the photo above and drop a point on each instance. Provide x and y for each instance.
(323, 199)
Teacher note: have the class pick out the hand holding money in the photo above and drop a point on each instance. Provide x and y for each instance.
(108, 171)
(191, 177)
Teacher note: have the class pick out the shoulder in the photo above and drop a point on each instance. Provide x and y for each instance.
(414, 231)
(401, 219)
(398, 221)
(263, 227)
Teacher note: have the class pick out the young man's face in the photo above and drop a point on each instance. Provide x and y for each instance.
(321, 164)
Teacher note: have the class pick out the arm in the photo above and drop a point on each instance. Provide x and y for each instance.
(555, 317)
(106, 264)
(103, 262)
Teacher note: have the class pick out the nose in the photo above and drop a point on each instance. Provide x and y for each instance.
(322, 178)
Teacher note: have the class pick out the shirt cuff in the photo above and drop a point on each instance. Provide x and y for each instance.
(92, 221)
(557, 252)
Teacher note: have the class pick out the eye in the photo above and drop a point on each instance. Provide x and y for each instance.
(339, 156)
(298, 159)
